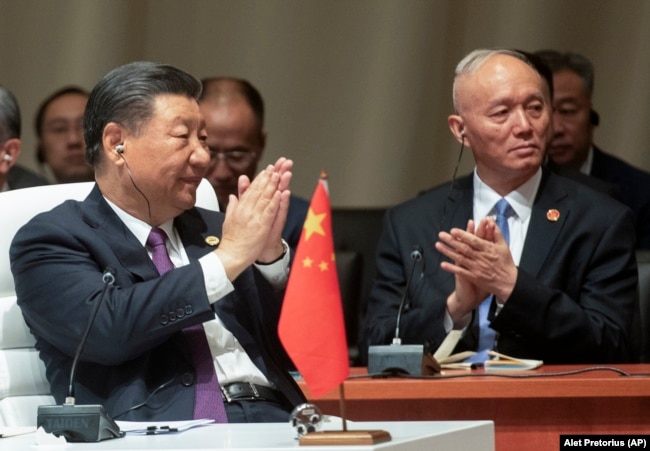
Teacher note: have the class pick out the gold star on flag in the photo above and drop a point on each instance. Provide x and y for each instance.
(323, 266)
(314, 224)
(307, 262)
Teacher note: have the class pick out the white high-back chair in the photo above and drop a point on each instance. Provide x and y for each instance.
(23, 386)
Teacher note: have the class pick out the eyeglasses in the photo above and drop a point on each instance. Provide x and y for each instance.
(235, 159)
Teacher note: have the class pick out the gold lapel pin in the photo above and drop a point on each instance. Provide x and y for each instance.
(212, 240)
(553, 215)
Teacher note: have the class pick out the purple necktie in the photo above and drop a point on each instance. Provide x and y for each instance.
(207, 394)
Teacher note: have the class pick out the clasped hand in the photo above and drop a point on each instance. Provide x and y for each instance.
(252, 228)
(481, 263)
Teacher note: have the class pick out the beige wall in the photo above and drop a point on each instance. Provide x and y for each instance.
(358, 87)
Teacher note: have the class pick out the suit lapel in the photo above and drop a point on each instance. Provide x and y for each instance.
(196, 233)
(456, 211)
(110, 229)
(458, 205)
(548, 217)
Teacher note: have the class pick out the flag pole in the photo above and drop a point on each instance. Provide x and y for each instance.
(342, 406)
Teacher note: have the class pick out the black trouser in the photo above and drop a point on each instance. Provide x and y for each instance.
(256, 411)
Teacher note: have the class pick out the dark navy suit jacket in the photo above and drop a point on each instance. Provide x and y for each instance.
(634, 185)
(136, 352)
(296, 215)
(19, 177)
(574, 298)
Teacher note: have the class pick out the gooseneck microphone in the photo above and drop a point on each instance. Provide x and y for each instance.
(108, 278)
(83, 423)
(395, 358)
(416, 256)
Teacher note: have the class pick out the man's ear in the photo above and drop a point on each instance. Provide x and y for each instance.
(113, 136)
(12, 149)
(457, 127)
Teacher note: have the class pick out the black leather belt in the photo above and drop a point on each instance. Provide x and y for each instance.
(238, 391)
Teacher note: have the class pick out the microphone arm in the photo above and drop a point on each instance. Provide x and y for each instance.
(81, 423)
(416, 256)
(396, 358)
(108, 278)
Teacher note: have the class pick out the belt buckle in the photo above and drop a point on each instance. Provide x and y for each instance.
(225, 394)
(256, 394)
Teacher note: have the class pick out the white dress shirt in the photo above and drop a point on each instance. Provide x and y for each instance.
(521, 200)
(231, 361)
(585, 168)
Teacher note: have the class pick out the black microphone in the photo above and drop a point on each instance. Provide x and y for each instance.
(416, 256)
(396, 358)
(83, 423)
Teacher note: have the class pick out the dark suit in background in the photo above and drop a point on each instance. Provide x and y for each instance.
(574, 298)
(296, 215)
(19, 177)
(634, 185)
(58, 260)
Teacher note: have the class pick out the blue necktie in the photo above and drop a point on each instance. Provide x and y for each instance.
(487, 335)
(207, 394)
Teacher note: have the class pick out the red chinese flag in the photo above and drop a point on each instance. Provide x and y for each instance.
(311, 324)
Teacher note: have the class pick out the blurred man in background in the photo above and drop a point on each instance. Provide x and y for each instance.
(59, 128)
(12, 176)
(233, 110)
(572, 146)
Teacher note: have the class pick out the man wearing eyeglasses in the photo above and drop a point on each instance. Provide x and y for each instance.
(59, 127)
(233, 110)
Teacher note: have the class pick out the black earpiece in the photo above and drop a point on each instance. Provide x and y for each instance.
(594, 117)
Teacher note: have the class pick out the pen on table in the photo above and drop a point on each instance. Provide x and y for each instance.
(153, 430)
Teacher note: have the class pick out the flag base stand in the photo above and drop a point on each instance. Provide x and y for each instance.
(329, 438)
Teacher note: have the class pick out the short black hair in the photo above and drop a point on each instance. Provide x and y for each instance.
(126, 96)
(574, 62)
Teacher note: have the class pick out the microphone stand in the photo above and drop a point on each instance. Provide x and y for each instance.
(396, 358)
(81, 423)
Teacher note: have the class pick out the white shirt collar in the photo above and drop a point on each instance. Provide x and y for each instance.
(141, 229)
(521, 199)
(586, 166)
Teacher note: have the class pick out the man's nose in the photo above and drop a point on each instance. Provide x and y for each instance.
(75, 134)
(523, 121)
(200, 155)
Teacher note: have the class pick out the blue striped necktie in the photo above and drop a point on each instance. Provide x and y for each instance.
(487, 335)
